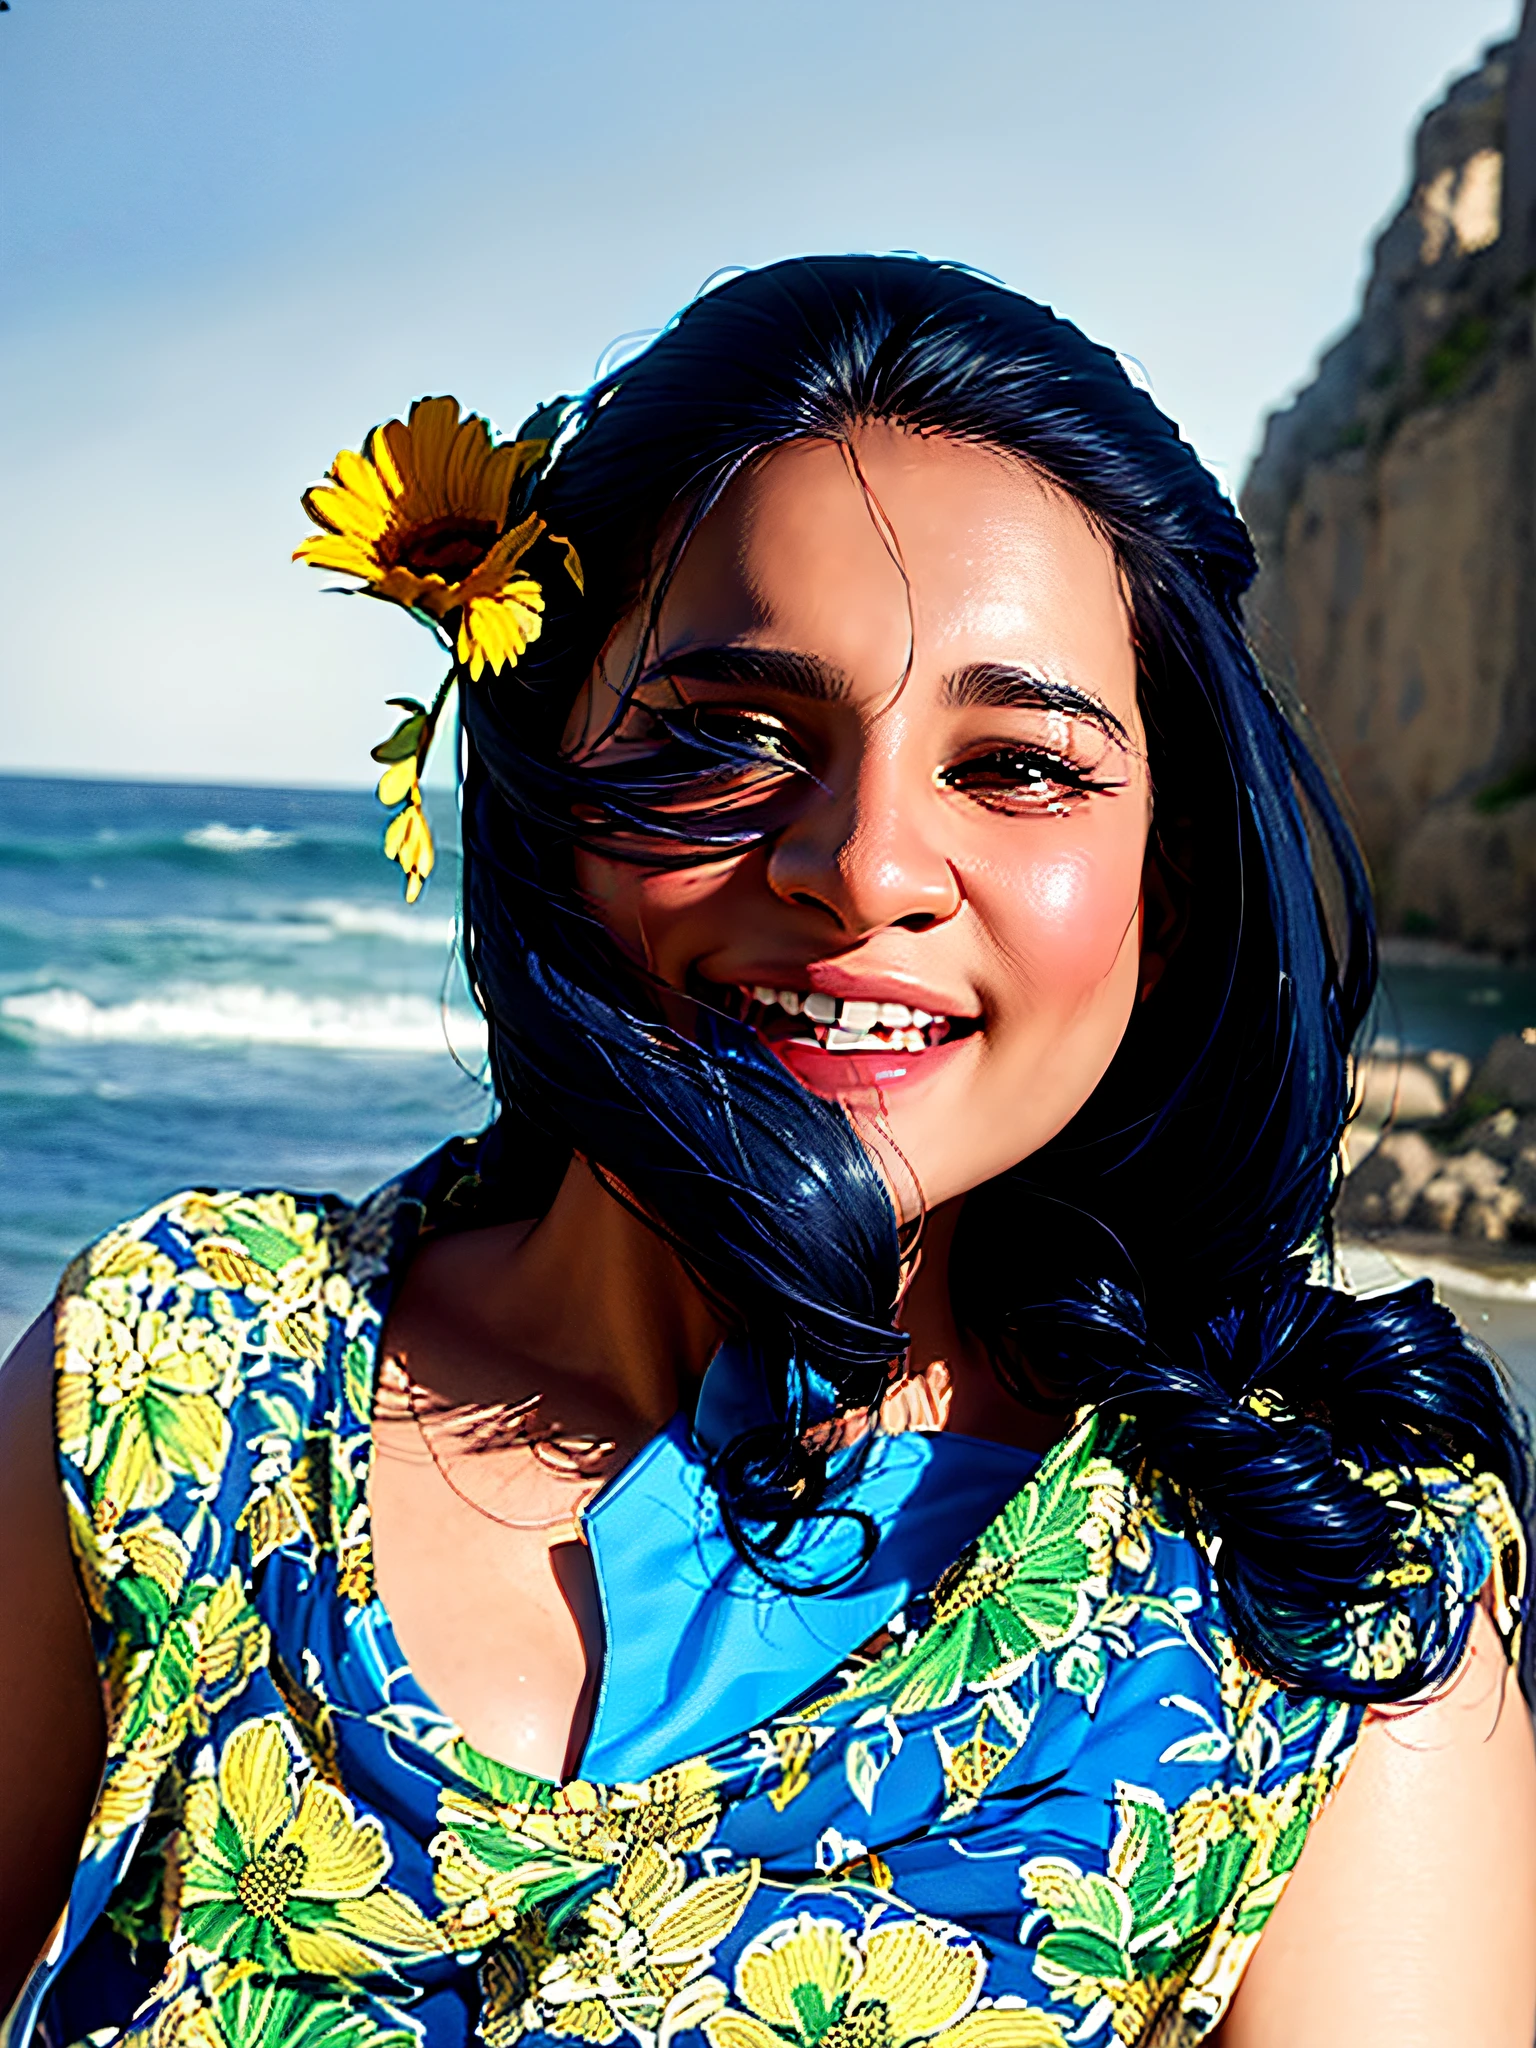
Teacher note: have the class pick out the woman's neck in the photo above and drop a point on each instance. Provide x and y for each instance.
(949, 1381)
(587, 1297)
(590, 1301)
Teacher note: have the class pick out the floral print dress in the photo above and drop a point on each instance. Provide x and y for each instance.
(1048, 1803)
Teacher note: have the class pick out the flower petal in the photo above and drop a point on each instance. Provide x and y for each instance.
(358, 478)
(494, 631)
(392, 451)
(255, 1775)
(380, 452)
(572, 561)
(504, 557)
(397, 780)
(388, 1920)
(703, 1915)
(471, 465)
(328, 1952)
(433, 423)
(740, 2030)
(343, 1856)
(1004, 2026)
(337, 551)
(804, 1955)
(923, 1979)
(339, 511)
(394, 835)
(422, 593)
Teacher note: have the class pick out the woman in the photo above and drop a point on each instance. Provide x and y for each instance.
(852, 1514)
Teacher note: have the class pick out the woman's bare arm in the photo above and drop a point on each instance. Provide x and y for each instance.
(1410, 1921)
(51, 1729)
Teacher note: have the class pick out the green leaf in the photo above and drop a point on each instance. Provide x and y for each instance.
(404, 741)
(1143, 1854)
(138, 1590)
(814, 2014)
(357, 1378)
(1293, 1837)
(1084, 1954)
(501, 1782)
(1216, 1883)
(270, 1248)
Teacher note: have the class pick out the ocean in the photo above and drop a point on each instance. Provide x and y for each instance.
(212, 986)
(204, 985)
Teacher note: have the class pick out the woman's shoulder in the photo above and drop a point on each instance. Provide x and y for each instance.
(260, 1246)
(213, 1328)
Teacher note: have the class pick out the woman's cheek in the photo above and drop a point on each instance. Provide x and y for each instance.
(643, 907)
(1062, 914)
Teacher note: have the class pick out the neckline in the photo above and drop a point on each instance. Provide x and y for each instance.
(509, 1781)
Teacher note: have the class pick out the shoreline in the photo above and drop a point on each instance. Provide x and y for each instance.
(1492, 1272)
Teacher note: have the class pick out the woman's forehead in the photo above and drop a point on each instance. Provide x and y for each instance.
(900, 546)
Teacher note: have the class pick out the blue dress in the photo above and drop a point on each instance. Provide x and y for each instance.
(1015, 1797)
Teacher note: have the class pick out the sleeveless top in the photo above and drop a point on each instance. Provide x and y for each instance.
(1037, 1797)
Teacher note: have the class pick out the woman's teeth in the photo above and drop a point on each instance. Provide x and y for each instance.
(855, 1024)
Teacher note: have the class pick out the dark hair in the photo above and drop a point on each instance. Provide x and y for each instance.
(1188, 1201)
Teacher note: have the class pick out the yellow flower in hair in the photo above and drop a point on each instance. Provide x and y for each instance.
(423, 516)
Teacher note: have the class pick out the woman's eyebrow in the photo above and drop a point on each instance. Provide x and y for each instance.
(772, 668)
(1002, 686)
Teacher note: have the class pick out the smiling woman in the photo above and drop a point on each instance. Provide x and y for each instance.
(854, 1515)
(924, 652)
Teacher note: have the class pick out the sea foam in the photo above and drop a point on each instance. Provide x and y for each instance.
(244, 1013)
(379, 920)
(217, 838)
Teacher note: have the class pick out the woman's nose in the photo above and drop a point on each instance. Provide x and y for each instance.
(867, 854)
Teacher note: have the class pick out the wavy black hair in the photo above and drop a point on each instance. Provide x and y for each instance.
(1154, 1259)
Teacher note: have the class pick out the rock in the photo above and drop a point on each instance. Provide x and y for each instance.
(1478, 1174)
(1398, 1090)
(1490, 1217)
(1453, 1071)
(1508, 1072)
(1381, 1192)
(1499, 1135)
(1391, 507)
(1439, 1203)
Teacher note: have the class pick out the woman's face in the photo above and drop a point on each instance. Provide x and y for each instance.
(929, 649)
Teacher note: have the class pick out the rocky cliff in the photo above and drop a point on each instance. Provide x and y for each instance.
(1394, 510)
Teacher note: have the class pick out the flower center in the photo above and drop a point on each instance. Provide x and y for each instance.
(448, 547)
(868, 2027)
(266, 1885)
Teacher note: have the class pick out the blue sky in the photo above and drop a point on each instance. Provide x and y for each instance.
(234, 236)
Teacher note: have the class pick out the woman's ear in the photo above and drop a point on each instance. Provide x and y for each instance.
(1163, 912)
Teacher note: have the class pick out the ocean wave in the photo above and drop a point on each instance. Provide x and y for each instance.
(203, 848)
(315, 923)
(378, 920)
(245, 1013)
(219, 838)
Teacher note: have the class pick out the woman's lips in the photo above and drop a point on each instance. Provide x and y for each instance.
(836, 1074)
(864, 1038)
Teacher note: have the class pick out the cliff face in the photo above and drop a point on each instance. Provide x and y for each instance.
(1393, 506)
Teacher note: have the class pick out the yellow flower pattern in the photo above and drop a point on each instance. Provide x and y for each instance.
(288, 1878)
(816, 1983)
(307, 1851)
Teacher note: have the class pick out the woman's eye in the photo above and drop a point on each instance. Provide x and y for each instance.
(755, 733)
(1026, 780)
